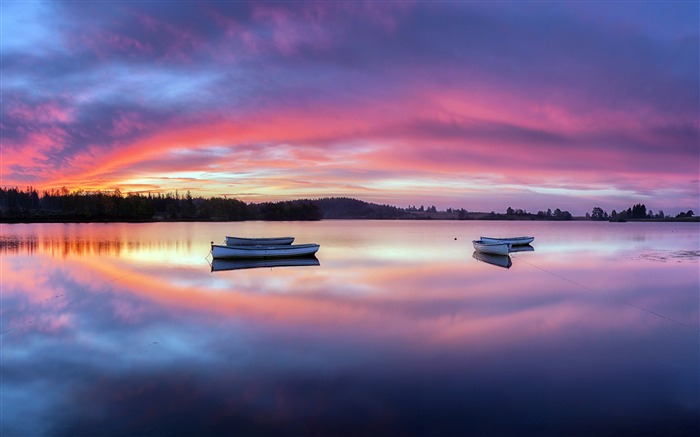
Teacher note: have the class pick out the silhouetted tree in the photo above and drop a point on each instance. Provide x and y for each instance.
(598, 213)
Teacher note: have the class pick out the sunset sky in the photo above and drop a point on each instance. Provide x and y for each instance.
(476, 105)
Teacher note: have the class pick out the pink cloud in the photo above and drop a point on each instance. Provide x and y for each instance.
(42, 113)
(175, 42)
(289, 32)
(127, 122)
(40, 134)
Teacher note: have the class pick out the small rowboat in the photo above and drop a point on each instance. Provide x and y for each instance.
(513, 241)
(262, 252)
(274, 241)
(492, 248)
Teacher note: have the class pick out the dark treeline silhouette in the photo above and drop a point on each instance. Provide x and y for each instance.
(287, 210)
(61, 205)
(80, 206)
(347, 208)
(636, 212)
(521, 214)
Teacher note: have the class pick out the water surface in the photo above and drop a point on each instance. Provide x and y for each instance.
(121, 329)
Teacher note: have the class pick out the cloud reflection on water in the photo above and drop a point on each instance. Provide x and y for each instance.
(360, 344)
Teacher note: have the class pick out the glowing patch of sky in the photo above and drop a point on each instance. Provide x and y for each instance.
(183, 175)
(604, 192)
(31, 27)
(446, 184)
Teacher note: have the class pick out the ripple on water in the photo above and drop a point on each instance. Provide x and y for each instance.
(670, 256)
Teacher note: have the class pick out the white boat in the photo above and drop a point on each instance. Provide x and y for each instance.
(496, 260)
(218, 265)
(492, 248)
(262, 251)
(513, 241)
(274, 241)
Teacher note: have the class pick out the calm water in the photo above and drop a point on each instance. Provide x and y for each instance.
(123, 329)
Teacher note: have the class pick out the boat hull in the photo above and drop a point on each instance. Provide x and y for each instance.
(496, 260)
(263, 252)
(274, 241)
(491, 248)
(219, 264)
(513, 241)
(522, 248)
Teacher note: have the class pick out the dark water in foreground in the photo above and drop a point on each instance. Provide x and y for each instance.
(123, 329)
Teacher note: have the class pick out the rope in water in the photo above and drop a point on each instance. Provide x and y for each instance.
(553, 274)
(591, 289)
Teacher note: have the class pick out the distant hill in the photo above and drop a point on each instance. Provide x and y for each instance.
(347, 208)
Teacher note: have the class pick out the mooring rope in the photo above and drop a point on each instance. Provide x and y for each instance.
(697, 329)
(554, 274)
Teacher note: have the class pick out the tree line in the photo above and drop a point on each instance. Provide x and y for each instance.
(636, 212)
(62, 205)
(557, 214)
(80, 206)
(77, 206)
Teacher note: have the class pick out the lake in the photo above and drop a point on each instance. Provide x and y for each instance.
(124, 329)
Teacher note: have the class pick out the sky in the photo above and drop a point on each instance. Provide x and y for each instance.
(475, 105)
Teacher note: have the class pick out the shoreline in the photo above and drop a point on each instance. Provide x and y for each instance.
(74, 220)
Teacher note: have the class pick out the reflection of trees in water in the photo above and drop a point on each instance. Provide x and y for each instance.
(16, 244)
(65, 246)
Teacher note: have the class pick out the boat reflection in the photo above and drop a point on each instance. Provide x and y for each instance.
(219, 265)
(522, 248)
(496, 260)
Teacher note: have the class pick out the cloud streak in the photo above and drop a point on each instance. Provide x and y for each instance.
(318, 98)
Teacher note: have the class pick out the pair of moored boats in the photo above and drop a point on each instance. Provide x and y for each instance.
(500, 246)
(282, 247)
(261, 248)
